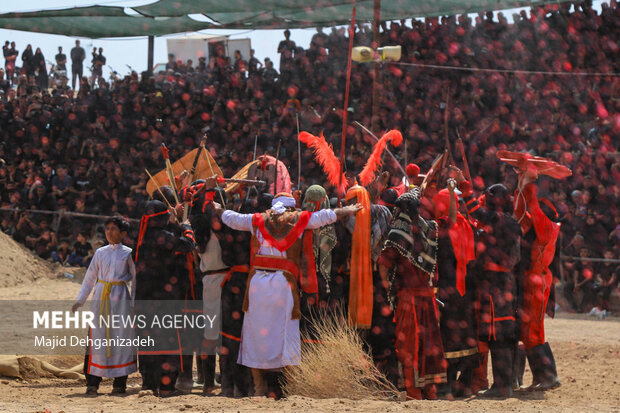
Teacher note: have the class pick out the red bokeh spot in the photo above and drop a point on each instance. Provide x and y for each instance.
(454, 48)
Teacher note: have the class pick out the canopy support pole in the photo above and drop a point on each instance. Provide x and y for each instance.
(376, 81)
(149, 63)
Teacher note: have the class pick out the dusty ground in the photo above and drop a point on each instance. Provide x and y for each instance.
(587, 352)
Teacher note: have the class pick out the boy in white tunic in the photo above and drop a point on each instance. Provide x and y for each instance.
(270, 336)
(108, 274)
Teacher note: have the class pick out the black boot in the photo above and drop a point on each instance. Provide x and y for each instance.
(534, 360)
(185, 381)
(200, 379)
(274, 384)
(549, 377)
(501, 361)
(242, 380)
(518, 368)
(227, 376)
(447, 390)
(463, 384)
(208, 370)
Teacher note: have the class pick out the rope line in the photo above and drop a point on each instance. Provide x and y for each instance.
(527, 72)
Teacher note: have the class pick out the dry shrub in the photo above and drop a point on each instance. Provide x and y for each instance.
(336, 365)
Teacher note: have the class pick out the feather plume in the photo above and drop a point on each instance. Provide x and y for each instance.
(374, 161)
(324, 155)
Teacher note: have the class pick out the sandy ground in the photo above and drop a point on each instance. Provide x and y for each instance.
(587, 351)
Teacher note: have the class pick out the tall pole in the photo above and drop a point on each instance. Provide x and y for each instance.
(376, 81)
(149, 63)
(346, 100)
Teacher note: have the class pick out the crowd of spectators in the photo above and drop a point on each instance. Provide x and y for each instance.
(34, 68)
(555, 93)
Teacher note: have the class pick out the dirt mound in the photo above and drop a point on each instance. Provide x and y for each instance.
(31, 368)
(18, 265)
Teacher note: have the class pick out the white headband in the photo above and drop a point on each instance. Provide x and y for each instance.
(279, 204)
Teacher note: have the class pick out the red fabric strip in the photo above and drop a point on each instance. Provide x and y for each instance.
(491, 266)
(292, 236)
(234, 268)
(192, 276)
(274, 264)
(308, 281)
(116, 366)
(511, 318)
(156, 352)
(230, 336)
(462, 237)
(144, 221)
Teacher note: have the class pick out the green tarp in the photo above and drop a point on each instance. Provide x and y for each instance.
(72, 12)
(104, 26)
(171, 16)
(302, 13)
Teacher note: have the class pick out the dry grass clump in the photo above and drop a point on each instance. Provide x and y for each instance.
(336, 365)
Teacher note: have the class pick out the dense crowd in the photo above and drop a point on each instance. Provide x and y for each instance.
(86, 150)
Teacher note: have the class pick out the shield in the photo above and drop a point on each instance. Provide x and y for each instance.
(241, 174)
(206, 168)
(264, 170)
(542, 165)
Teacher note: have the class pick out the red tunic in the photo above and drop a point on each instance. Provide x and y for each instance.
(538, 278)
(418, 340)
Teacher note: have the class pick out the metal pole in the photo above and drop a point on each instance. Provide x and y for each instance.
(346, 100)
(149, 62)
(376, 81)
(275, 172)
(298, 154)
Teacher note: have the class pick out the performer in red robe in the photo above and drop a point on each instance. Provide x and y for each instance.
(457, 323)
(542, 233)
(409, 261)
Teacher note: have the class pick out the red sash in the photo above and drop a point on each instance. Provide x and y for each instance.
(267, 263)
(285, 243)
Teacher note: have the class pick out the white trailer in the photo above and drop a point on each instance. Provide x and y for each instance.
(196, 46)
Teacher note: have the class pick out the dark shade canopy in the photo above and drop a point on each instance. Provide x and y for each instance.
(303, 13)
(171, 16)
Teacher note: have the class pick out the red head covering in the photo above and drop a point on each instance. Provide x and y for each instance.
(461, 235)
(412, 170)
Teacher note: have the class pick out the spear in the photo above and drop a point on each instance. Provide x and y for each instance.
(244, 181)
(275, 173)
(213, 173)
(162, 195)
(386, 148)
(298, 154)
(192, 174)
(169, 172)
(459, 143)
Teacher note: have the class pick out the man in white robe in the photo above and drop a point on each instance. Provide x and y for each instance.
(270, 337)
